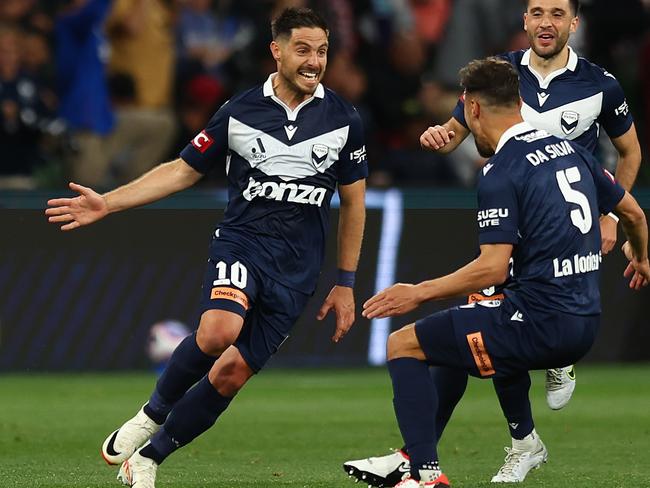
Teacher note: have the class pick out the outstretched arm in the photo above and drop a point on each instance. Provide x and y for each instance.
(490, 268)
(352, 220)
(635, 227)
(90, 206)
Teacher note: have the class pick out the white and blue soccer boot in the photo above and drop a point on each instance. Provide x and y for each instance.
(121, 444)
(560, 383)
(524, 455)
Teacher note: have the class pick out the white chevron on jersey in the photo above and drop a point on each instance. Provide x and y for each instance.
(542, 97)
(567, 121)
(275, 158)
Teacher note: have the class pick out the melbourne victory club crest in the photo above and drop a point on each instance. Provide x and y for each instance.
(569, 121)
(319, 154)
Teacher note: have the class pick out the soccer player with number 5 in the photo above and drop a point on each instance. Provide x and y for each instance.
(570, 98)
(539, 200)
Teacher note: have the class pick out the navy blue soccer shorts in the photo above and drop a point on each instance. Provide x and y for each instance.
(233, 283)
(491, 338)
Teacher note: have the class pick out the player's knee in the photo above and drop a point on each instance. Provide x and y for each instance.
(211, 342)
(404, 343)
(395, 347)
(216, 333)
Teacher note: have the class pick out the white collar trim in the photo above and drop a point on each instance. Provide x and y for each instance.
(571, 65)
(513, 131)
(291, 114)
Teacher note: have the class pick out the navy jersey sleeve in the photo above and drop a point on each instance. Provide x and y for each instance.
(615, 115)
(498, 210)
(459, 111)
(608, 191)
(353, 161)
(211, 144)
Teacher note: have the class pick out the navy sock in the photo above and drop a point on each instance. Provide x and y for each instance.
(416, 402)
(187, 365)
(513, 397)
(450, 384)
(195, 413)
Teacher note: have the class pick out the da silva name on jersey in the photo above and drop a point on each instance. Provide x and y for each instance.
(551, 151)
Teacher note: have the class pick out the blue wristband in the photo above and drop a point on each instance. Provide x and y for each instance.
(345, 278)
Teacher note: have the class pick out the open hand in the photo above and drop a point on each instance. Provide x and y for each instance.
(84, 209)
(341, 300)
(638, 271)
(396, 300)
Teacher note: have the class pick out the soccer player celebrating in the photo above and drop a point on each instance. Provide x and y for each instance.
(570, 98)
(539, 199)
(287, 145)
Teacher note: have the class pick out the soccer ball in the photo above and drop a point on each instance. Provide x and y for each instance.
(164, 337)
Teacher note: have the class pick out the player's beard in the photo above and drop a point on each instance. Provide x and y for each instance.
(483, 148)
(561, 40)
(292, 81)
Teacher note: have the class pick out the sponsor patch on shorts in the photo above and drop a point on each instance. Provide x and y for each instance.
(481, 357)
(233, 294)
(479, 297)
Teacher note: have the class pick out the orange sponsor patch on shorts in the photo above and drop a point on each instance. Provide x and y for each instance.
(233, 294)
(481, 357)
(479, 297)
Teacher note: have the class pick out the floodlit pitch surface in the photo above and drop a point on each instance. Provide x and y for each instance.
(294, 428)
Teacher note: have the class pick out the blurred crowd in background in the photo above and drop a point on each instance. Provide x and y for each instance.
(99, 91)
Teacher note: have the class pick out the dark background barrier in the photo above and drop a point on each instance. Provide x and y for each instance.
(85, 300)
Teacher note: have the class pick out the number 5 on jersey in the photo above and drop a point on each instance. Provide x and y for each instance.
(238, 275)
(581, 218)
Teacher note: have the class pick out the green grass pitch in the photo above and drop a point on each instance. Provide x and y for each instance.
(294, 428)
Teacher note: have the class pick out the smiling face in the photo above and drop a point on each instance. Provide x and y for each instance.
(301, 59)
(549, 24)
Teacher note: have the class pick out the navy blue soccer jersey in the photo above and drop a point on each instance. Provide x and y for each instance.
(544, 195)
(282, 169)
(570, 103)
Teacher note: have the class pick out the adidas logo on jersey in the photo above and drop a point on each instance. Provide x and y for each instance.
(288, 192)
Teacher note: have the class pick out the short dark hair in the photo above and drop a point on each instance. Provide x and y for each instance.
(575, 6)
(493, 79)
(294, 18)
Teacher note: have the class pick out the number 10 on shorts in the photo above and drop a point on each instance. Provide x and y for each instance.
(238, 275)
